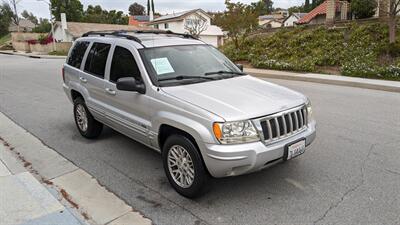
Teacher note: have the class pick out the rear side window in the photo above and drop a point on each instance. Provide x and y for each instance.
(77, 53)
(97, 59)
(123, 65)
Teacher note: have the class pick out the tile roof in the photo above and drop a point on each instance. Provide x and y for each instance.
(319, 10)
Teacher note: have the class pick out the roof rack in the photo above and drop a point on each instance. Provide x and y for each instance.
(123, 33)
(165, 32)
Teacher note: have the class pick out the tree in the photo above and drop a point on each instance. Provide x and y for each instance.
(394, 9)
(136, 9)
(14, 17)
(307, 5)
(30, 17)
(150, 5)
(43, 27)
(6, 15)
(238, 20)
(262, 7)
(196, 25)
(363, 8)
(314, 4)
(95, 14)
(297, 9)
(73, 9)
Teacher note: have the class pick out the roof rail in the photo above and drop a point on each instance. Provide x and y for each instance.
(124, 34)
(164, 32)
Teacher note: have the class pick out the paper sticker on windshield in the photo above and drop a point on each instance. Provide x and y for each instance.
(162, 66)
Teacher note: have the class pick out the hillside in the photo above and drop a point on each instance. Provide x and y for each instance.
(352, 50)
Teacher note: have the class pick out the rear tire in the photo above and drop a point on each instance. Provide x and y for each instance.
(184, 166)
(88, 126)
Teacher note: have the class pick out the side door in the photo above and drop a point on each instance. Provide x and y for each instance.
(92, 77)
(128, 111)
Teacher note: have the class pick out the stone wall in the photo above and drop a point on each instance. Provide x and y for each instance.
(41, 49)
(19, 36)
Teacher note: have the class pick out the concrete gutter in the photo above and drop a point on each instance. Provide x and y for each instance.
(382, 85)
(33, 55)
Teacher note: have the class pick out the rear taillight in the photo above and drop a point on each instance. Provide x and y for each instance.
(63, 74)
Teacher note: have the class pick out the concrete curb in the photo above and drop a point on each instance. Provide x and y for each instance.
(35, 56)
(74, 186)
(382, 85)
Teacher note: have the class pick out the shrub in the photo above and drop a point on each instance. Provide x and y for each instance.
(356, 49)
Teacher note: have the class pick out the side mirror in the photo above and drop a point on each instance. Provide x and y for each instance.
(240, 66)
(130, 84)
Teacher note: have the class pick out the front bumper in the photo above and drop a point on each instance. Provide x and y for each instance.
(233, 160)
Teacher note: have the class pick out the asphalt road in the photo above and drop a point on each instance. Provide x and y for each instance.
(350, 175)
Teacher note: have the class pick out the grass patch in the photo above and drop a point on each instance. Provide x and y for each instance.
(59, 53)
(6, 38)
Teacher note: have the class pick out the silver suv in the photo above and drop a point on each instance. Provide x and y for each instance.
(186, 100)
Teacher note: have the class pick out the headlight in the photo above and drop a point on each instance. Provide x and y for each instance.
(235, 132)
(309, 111)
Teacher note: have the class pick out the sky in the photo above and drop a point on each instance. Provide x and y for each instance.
(40, 9)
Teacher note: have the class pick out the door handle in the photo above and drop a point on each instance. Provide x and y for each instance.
(83, 80)
(110, 91)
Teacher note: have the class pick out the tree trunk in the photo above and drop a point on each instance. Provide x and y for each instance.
(392, 29)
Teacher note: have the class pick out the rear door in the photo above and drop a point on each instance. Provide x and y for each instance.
(93, 75)
(128, 111)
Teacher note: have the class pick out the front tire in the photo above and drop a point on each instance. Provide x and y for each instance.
(184, 166)
(88, 126)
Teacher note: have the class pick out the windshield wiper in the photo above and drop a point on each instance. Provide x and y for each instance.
(224, 72)
(186, 78)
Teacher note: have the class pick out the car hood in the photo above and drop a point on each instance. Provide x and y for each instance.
(238, 98)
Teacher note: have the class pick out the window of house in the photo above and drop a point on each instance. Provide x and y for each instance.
(123, 65)
(156, 26)
(97, 59)
(166, 25)
(189, 22)
(77, 53)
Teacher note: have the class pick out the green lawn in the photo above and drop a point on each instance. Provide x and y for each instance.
(5, 38)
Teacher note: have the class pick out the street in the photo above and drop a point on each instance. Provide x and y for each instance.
(349, 175)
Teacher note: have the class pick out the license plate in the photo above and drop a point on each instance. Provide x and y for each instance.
(296, 149)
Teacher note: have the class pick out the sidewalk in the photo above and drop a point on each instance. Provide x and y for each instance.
(383, 85)
(23, 200)
(32, 55)
(40, 187)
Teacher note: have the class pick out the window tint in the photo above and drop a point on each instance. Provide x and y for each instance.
(97, 59)
(77, 53)
(123, 65)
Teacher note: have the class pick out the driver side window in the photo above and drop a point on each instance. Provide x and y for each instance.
(123, 65)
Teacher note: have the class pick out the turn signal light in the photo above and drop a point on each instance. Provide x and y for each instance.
(217, 131)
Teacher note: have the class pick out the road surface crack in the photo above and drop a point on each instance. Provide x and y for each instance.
(351, 190)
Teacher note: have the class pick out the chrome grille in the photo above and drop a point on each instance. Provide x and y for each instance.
(283, 124)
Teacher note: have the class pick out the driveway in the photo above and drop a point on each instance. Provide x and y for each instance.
(350, 174)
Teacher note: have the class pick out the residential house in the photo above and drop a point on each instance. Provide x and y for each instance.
(319, 14)
(179, 22)
(273, 20)
(139, 20)
(24, 26)
(336, 10)
(74, 30)
(292, 19)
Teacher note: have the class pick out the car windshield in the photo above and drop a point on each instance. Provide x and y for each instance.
(174, 65)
